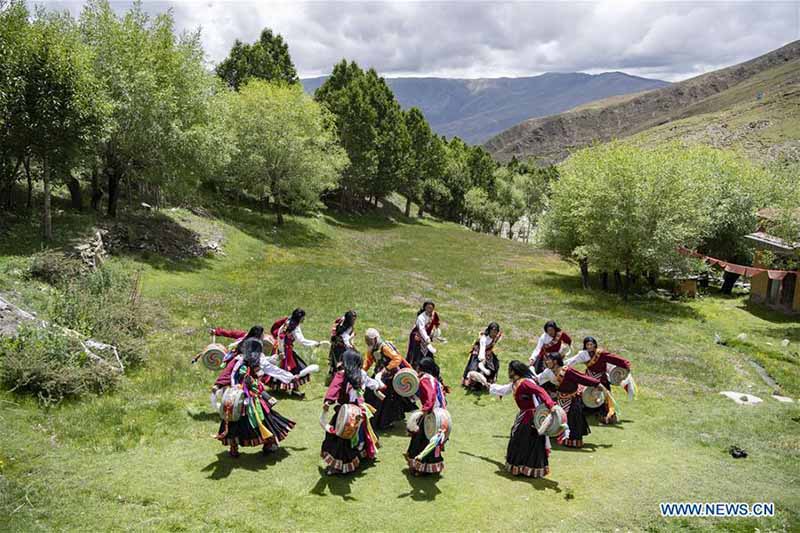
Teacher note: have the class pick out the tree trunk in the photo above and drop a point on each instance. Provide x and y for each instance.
(421, 211)
(408, 206)
(76, 198)
(279, 213)
(626, 284)
(604, 281)
(728, 281)
(617, 281)
(584, 264)
(97, 193)
(48, 222)
(113, 192)
(29, 200)
(652, 279)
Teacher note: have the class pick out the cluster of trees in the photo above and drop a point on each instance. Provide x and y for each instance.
(123, 107)
(624, 209)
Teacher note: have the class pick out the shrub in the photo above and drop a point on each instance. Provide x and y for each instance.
(105, 306)
(51, 365)
(54, 268)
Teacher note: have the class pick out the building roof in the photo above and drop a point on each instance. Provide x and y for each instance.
(765, 240)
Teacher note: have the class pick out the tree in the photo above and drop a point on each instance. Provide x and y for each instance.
(57, 109)
(266, 59)
(627, 209)
(285, 146)
(346, 93)
(510, 198)
(161, 131)
(420, 138)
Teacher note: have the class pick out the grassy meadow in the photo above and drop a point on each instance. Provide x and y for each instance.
(143, 457)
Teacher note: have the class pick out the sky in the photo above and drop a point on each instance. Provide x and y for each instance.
(468, 39)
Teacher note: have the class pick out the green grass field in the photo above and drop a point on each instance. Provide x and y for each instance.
(143, 458)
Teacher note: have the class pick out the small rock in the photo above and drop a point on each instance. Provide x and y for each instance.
(742, 336)
(782, 399)
(785, 343)
(741, 398)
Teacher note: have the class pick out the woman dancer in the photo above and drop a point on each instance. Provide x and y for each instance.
(431, 394)
(528, 451)
(569, 385)
(343, 456)
(287, 332)
(598, 362)
(421, 337)
(258, 423)
(553, 340)
(256, 332)
(482, 366)
(342, 334)
(387, 361)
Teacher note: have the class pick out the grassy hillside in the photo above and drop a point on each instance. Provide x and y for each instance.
(143, 458)
(732, 90)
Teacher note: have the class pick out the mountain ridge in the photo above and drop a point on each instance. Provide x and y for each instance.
(550, 139)
(475, 109)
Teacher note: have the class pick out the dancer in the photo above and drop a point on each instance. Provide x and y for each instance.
(342, 334)
(343, 455)
(569, 385)
(287, 332)
(257, 422)
(482, 366)
(256, 332)
(528, 452)
(421, 337)
(387, 362)
(431, 394)
(598, 363)
(553, 340)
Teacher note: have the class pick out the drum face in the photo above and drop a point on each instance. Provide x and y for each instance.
(556, 422)
(593, 397)
(436, 420)
(405, 382)
(213, 356)
(617, 375)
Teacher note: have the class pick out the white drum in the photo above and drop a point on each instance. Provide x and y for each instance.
(436, 420)
(230, 409)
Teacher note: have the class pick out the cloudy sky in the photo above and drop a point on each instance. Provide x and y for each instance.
(667, 40)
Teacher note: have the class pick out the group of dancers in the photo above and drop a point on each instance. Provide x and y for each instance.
(358, 404)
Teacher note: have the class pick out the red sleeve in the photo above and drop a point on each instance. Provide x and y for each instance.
(332, 396)
(566, 338)
(533, 389)
(427, 395)
(230, 333)
(580, 378)
(615, 360)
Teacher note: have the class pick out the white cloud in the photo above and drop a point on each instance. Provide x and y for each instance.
(668, 40)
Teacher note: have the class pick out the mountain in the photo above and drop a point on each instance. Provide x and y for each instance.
(754, 105)
(477, 109)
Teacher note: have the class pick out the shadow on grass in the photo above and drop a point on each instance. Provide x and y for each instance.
(536, 483)
(253, 461)
(204, 416)
(769, 314)
(339, 485)
(611, 304)
(423, 487)
(262, 226)
(588, 447)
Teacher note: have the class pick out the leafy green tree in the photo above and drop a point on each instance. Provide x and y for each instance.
(346, 93)
(627, 209)
(160, 135)
(267, 59)
(393, 142)
(58, 104)
(285, 146)
(510, 198)
(481, 212)
(420, 139)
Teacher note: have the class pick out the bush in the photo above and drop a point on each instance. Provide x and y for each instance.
(54, 268)
(50, 365)
(105, 306)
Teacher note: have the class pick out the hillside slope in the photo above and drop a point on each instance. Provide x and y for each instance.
(143, 457)
(476, 109)
(774, 75)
